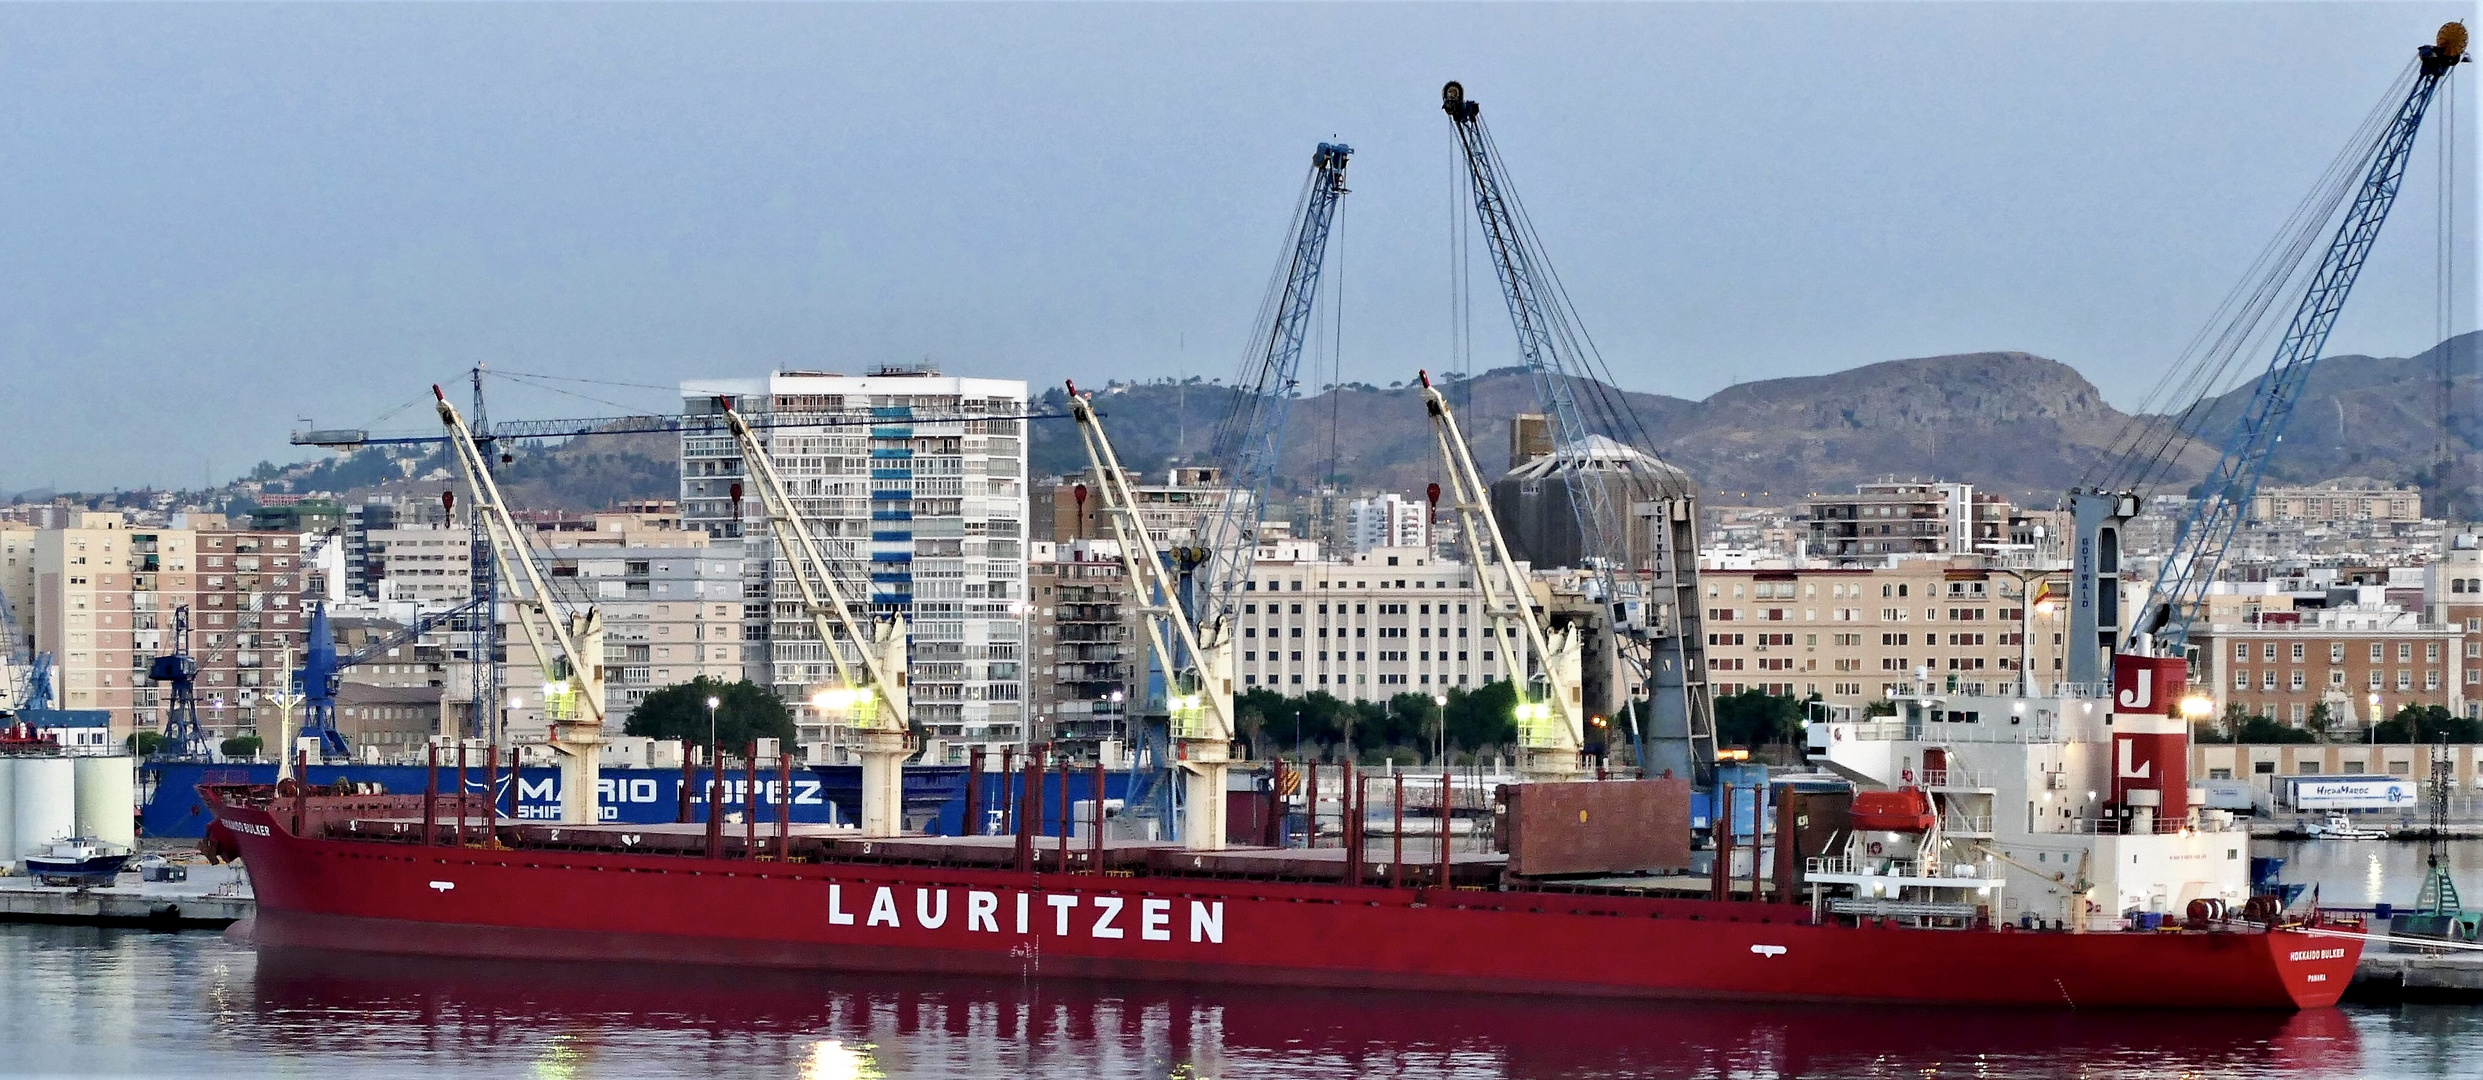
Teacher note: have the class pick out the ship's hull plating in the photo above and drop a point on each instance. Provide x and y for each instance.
(528, 904)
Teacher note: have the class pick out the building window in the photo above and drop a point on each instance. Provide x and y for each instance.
(2297, 652)
(2336, 652)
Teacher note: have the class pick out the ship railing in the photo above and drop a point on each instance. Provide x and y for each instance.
(1903, 909)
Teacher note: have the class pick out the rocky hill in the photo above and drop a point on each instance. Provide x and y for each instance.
(2018, 424)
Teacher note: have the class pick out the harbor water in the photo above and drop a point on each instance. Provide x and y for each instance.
(87, 1002)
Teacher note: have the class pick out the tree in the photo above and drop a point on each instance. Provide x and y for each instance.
(745, 712)
(241, 746)
(145, 743)
(1755, 718)
(2321, 719)
(2427, 724)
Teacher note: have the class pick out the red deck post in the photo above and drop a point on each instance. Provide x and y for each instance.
(784, 805)
(750, 802)
(301, 787)
(966, 823)
(689, 780)
(1095, 839)
(431, 797)
(1310, 808)
(715, 800)
(461, 793)
(1788, 852)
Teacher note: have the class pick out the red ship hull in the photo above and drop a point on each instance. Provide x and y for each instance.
(571, 905)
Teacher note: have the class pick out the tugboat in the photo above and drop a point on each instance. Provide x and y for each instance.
(79, 861)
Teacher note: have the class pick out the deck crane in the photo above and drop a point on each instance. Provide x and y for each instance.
(2198, 550)
(1657, 639)
(569, 648)
(1250, 439)
(871, 693)
(1551, 712)
(1197, 662)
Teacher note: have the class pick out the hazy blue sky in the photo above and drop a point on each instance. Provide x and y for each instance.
(222, 218)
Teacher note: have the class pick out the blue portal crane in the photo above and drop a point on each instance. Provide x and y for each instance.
(184, 736)
(1655, 617)
(1250, 439)
(323, 668)
(2198, 550)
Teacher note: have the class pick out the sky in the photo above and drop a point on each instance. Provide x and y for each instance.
(223, 221)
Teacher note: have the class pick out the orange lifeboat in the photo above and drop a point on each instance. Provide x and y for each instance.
(1906, 810)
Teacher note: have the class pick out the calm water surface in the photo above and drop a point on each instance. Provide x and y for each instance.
(88, 1002)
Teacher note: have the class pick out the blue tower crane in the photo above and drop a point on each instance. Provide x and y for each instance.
(1655, 619)
(2198, 550)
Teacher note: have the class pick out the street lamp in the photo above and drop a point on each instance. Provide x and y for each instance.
(712, 702)
(1441, 701)
(2373, 728)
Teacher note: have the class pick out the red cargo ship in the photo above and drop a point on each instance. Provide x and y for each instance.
(378, 874)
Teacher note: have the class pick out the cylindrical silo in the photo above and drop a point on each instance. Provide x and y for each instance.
(8, 814)
(107, 799)
(47, 803)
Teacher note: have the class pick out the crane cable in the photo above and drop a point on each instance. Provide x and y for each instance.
(2149, 442)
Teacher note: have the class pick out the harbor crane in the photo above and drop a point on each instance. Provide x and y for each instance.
(1250, 438)
(2189, 570)
(184, 736)
(323, 668)
(1551, 712)
(1655, 617)
(870, 691)
(569, 647)
(1197, 662)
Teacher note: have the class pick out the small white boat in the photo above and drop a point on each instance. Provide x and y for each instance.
(77, 861)
(2340, 827)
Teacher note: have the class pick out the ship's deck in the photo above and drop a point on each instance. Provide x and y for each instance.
(841, 843)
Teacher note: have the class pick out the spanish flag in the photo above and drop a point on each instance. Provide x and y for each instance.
(2048, 591)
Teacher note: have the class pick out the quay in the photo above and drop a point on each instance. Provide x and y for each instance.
(2402, 972)
(212, 898)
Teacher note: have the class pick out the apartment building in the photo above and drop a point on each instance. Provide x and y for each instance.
(915, 485)
(1088, 658)
(1849, 634)
(1366, 628)
(1908, 517)
(107, 597)
(2334, 503)
(1388, 520)
(428, 563)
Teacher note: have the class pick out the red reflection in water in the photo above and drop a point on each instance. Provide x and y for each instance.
(961, 1027)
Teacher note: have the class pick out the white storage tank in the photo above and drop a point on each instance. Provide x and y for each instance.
(107, 799)
(47, 803)
(8, 815)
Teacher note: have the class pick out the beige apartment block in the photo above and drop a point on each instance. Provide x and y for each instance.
(1848, 634)
(2338, 502)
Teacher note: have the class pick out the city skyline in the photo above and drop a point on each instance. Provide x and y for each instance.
(315, 213)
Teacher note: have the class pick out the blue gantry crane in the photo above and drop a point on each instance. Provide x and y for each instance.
(184, 736)
(323, 668)
(1655, 606)
(2182, 581)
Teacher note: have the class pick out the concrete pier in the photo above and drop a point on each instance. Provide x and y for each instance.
(213, 897)
(2390, 975)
